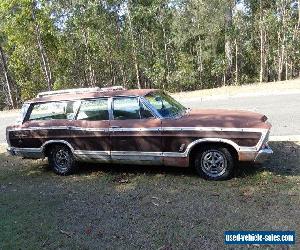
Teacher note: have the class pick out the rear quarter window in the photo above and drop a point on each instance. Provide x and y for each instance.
(23, 113)
(54, 110)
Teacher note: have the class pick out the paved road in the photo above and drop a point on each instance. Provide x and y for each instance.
(283, 110)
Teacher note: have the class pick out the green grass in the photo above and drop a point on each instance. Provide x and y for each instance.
(150, 207)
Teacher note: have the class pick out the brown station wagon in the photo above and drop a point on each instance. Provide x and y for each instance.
(114, 125)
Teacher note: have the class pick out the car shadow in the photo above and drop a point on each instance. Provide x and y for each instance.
(285, 161)
(86, 168)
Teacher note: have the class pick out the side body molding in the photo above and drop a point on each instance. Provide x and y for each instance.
(149, 156)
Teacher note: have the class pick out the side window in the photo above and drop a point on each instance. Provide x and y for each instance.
(126, 108)
(93, 110)
(145, 112)
(54, 110)
(23, 113)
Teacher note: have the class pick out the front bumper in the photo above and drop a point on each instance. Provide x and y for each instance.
(10, 151)
(263, 154)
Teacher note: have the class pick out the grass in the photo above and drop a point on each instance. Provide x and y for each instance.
(129, 207)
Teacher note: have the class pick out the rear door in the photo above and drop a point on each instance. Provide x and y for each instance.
(135, 132)
(89, 132)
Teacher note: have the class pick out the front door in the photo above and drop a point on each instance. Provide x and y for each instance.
(135, 132)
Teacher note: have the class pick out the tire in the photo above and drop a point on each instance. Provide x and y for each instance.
(214, 163)
(61, 160)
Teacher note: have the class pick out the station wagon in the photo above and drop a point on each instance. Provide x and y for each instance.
(115, 125)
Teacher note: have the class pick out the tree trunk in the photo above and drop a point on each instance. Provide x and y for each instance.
(44, 59)
(134, 52)
(236, 63)
(228, 45)
(298, 25)
(92, 80)
(7, 79)
(262, 45)
(167, 75)
(199, 62)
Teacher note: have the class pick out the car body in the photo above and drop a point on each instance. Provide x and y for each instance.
(136, 127)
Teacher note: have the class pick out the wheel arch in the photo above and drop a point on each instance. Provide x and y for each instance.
(48, 144)
(195, 146)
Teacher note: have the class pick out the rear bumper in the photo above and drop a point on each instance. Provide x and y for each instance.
(30, 153)
(263, 154)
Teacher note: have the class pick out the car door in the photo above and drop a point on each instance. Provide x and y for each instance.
(89, 132)
(135, 132)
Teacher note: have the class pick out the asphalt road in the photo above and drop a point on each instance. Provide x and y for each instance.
(283, 110)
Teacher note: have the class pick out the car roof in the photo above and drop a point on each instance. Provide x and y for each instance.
(89, 95)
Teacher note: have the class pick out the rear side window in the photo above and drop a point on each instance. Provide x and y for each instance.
(93, 110)
(23, 113)
(54, 110)
(126, 108)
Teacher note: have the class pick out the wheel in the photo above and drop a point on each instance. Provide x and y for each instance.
(61, 160)
(214, 163)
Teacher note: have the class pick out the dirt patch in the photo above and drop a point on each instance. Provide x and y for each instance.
(151, 207)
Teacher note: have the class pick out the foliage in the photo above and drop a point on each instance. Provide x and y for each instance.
(176, 45)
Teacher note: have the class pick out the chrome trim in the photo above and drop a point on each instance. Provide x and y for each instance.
(263, 155)
(204, 129)
(218, 129)
(189, 147)
(125, 157)
(32, 153)
(39, 128)
(57, 141)
(89, 129)
(109, 107)
(154, 129)
(137, 157)
(93, 156)
(63, 128)
(133, 153)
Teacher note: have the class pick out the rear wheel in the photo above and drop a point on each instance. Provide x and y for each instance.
(214, 163)
(61, 160)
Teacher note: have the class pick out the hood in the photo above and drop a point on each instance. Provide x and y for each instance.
(224, 118)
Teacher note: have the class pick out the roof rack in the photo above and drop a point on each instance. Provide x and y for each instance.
(112, 88)
(79, 91)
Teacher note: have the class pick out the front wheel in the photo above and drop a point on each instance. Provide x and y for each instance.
(61, 160)
(214, 163)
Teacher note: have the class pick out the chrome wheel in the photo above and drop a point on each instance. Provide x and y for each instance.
(213, 163)
(62, 159)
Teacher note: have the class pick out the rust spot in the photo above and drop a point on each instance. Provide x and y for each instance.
(176, 161)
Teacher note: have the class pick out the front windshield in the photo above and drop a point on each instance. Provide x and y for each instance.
(165, 105)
